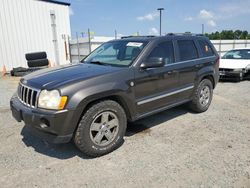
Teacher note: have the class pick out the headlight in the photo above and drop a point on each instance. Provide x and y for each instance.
(51, 100)
(238, 70)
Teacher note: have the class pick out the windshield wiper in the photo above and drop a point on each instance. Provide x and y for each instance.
(98, 63)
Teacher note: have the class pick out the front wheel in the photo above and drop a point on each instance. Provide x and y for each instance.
(202, 97)
(101, 129)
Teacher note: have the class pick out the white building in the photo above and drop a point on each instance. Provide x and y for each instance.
(33, 26)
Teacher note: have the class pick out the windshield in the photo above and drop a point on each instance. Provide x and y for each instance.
(116, 53)
(237, 54)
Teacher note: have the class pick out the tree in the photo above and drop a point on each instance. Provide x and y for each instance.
(228, 35)
(237, 34)
(244, 35)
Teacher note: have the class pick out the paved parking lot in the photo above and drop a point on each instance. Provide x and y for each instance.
(174, 148)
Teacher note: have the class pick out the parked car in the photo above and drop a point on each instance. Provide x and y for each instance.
(122, 80)
(235, 64)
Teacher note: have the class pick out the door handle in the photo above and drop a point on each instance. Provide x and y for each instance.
(198, 65)
(171, 72)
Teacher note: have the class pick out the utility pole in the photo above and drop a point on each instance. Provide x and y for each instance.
(202, 29)
(160, 9)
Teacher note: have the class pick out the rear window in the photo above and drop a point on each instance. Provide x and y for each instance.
(187, 50)
(205, 48)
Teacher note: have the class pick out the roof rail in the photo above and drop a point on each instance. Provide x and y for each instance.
(184, 34)
(131, 36)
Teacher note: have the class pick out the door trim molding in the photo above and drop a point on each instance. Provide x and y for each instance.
(165, 95)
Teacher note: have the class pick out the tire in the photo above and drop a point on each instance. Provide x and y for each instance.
(35, 56)
(38, 63)
(92, 126)
(197, 104)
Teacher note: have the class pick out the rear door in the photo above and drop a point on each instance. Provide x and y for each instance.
(188, 64)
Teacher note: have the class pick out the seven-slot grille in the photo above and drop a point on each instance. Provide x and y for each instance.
(27, 95)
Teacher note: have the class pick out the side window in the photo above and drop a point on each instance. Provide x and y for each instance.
(187, 50)
(205, 48)
(164, 50)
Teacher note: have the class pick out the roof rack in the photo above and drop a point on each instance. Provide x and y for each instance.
(131, 36)
(185, 34)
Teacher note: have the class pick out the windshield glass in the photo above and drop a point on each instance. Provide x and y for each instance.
(237, 54)
(116, 53)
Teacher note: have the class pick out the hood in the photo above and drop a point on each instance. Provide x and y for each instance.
(234, 63)
(61, 75)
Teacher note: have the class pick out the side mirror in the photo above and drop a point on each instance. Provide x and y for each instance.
(153, 62)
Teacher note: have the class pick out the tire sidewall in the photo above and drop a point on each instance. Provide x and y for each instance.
(84, 129)
(202, 84)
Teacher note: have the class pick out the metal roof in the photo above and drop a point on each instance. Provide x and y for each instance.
(56, 2)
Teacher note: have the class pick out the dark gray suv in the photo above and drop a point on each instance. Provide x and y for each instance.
(122, 80)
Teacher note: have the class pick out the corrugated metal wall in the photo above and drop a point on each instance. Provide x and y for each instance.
(25, 26)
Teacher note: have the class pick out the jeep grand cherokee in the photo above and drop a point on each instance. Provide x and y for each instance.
(122, 80)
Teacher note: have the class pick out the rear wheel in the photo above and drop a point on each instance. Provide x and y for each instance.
(202, 96)
(101, 129)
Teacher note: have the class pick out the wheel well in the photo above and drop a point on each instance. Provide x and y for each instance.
(115, 98)
(209, 77)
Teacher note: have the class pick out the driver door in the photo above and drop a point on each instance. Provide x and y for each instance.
(154, 87)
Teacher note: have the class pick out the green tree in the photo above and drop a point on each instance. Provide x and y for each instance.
(244, 35)
(228, 35)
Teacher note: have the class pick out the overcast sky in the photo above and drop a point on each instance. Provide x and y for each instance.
(131, 16)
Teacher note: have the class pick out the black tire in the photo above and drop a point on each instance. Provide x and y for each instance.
(82, 137)
(196, 104)
(38, 63)
(35, 55)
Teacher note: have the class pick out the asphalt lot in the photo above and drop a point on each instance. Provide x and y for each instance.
(175, 148)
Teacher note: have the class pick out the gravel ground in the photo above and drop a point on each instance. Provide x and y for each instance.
(175, 148)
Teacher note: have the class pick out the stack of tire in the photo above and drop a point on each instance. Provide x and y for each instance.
(35, 61)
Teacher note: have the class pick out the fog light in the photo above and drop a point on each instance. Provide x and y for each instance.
(44, 123)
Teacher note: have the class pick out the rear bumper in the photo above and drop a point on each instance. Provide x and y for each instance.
(52, 126)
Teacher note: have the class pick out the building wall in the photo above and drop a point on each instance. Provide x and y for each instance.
(25, 26)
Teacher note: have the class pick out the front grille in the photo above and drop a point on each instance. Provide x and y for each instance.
(225, 70)
(27, 95)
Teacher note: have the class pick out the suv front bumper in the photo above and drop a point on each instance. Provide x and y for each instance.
(231, 74)
(52, 126)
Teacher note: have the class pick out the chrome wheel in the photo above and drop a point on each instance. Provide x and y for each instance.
(104, 128)
(204, 95)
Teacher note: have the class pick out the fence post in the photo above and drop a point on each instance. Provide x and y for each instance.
(89, 41)
(234, 44)
(78, 50)
(70, 58)
(220, 47)
(115, 34)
